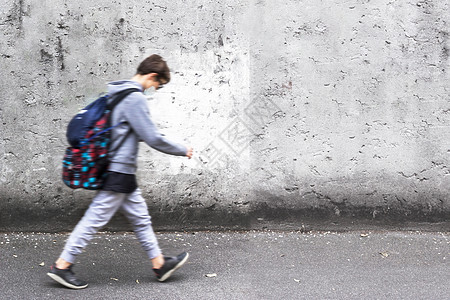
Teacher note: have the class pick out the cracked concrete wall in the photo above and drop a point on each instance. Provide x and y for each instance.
(300, 112)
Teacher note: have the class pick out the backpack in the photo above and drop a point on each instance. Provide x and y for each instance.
(89, 134)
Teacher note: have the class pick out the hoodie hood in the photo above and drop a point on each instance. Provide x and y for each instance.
(117, 86)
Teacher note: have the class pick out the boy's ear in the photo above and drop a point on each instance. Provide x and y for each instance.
(152, 76)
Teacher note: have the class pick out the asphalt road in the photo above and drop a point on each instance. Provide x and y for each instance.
(238, 265)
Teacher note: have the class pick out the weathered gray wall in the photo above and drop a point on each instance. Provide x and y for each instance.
(314, 112)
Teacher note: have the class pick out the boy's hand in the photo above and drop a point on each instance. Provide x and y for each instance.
(189, 152)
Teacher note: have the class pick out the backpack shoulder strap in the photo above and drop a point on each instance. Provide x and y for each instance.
(116, 100)
(120, 96)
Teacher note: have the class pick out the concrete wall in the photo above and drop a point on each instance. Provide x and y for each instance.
(322, 113)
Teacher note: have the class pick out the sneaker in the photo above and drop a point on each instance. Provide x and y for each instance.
(66, 277)
(170, 265)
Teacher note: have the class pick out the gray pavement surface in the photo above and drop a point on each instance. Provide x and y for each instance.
(238, 265)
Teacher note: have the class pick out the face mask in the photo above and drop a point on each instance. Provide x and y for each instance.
(148, 93)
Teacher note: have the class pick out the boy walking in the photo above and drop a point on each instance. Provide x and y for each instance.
(120, 191)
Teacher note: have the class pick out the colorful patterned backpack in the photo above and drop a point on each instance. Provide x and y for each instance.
(89, 133)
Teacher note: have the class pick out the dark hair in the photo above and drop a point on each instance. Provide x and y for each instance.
(154, 64)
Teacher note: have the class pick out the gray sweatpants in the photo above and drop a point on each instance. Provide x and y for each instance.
(103, 207)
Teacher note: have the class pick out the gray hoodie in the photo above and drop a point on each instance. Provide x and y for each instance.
(133, 110)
